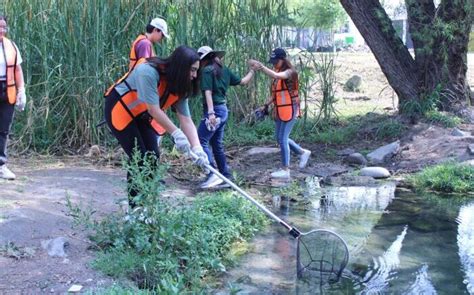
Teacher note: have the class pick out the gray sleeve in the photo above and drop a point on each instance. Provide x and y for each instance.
(147, 84)
(182, 107)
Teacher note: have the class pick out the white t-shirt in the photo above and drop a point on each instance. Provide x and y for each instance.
(3, 66)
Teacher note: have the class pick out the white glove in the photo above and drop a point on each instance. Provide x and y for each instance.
(21, 99)
(212, 126)
(202, 160)
(181, 141)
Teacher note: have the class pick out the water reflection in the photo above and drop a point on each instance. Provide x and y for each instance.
(422, 284)
(377, 279)
(466, 244)
(400, 243)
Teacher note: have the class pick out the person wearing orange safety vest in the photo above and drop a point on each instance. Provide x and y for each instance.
(142, 47)
(286, 107)
(135, 106)
(12, 92)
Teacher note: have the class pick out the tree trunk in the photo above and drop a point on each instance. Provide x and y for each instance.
(393, 57)
(440, 38)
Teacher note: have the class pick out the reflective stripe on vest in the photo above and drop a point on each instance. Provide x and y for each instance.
(128, 107)
(285, 99)
(133, 54)
(10, 54)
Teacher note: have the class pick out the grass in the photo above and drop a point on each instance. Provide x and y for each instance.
(444, 119)
(171, 248)
(446, 178)
(74, 50)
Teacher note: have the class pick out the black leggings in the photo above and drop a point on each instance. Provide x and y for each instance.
(6, 117)
(138, 134)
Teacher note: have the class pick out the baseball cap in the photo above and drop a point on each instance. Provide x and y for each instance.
(277, 53)
(203, 51)
(161, 25)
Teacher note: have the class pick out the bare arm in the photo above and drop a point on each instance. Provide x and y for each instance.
(276, 75)
(19, 80)
(245, 80)
(210, 106)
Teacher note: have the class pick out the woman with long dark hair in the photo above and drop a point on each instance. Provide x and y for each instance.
(285, 100)
(135, 105)
(12, 92)
(215, 79)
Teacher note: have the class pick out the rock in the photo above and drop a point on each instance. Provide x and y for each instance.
(75, 289)
(356, 159)
(383, 153)
(55, 247)
(262, 150)
(324, 170)
(353, 84)
(468, 162)
(345, 152)
(470, 149)
(94, 152)
(375, 172)
(457, 132)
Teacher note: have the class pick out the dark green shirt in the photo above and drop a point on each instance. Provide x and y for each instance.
(218, 86)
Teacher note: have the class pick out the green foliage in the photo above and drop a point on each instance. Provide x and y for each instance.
(444, 119)
(326, 70)
(74, 50)
(447, 178)
(389, 129)
(471, 42)
(246, 134)
(319, 14)
(170, 248)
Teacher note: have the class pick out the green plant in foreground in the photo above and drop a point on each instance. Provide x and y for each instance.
(169, 247)
(447, 178)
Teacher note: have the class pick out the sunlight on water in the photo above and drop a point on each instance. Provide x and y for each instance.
(399, 243)
(466, 244)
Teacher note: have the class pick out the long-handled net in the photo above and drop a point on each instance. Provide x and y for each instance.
(320, 253)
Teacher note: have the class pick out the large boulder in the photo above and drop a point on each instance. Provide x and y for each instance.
(375, 172)
(384, 153)
(353, 84)
(356, 159)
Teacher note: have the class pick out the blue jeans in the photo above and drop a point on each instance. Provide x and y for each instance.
(215, 139)
(282, 135)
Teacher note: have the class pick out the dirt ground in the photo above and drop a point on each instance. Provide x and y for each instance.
(33, 207)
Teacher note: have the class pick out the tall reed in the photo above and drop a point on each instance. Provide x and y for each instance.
(73, 50)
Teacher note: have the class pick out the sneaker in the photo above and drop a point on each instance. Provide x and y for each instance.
(304, 157)
(212, 181)
(5, 173)
(223, 185)
(281, 174)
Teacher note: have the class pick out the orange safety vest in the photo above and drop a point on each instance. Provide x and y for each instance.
(10, 54)
(128, 107)
(285, 99)
(133, 59)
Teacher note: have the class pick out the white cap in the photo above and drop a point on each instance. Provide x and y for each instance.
(205, 50)
(161, 25)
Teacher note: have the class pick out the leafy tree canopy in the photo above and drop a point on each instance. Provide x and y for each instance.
(321, 14)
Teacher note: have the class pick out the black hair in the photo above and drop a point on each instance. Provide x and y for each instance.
(215, 62)
(177, 68)
(149, 29)
(3, 17)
